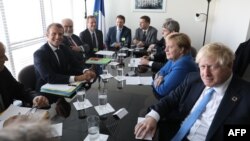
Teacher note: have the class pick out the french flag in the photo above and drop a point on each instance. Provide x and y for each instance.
(99, 13)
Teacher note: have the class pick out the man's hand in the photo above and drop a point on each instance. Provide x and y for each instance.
(88, 76)
(147, 126)
(40, 101)
(75, 48)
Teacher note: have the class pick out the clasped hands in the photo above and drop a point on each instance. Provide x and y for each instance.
(88, 75)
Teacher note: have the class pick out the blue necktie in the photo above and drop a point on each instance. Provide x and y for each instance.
(190, 120)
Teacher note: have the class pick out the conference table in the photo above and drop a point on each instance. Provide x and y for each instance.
(134, 98)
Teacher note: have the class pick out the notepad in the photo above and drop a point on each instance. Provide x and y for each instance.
(99, 61)
(65, 90)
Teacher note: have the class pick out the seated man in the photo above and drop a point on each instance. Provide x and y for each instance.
(92, 37)
(205, 101)
(55, 64)
(118, 35)
(73, 41)
(145, 35)
(11, 90)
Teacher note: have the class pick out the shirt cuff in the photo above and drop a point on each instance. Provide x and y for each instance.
(71, 79)
(150, 63)
(154, 115)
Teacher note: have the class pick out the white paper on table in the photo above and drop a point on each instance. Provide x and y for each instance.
(101, 109)
(105, 52)
(57, 129)
(120, 78)
(82, 105)
(134, 62)
(102, 137)
(106, 76)
(136, 80)
(13, 110)
(113, 63)
(148, 136)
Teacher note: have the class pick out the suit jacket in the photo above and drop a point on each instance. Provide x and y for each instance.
(77, 40)
(48, 70)
(233, 109)
(111, 36)
(151, 36)
(10, 89)
(86, 38)
(242, 58)
(174, 72)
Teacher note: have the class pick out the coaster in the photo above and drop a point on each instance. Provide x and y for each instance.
(101, 110)
(120, 78)
(106, 76)
(82, 105)
(102, 137)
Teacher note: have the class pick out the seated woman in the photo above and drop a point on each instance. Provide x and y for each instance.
(181, 62)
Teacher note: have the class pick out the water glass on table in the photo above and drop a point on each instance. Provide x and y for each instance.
(102, 98)
(81, 96)
(93, 127)
(105, 75)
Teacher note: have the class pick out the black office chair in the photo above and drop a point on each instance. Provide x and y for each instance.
(27, 77)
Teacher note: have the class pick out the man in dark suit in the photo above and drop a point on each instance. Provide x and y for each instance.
(228, 105)
(10, 89)
(73, 41)
(92, 37)
(118, 35)
(145, 35)
(55, 64)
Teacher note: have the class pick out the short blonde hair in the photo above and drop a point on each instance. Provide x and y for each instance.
(221, 52)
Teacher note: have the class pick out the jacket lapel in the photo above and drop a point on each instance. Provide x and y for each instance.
(229, 101)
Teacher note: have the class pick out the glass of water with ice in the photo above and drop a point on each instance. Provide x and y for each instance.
(93, 127)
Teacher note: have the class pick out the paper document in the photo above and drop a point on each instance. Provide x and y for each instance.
(57, 129)
(105, 52)
(104, 109)
(134, 62)
(146, 80)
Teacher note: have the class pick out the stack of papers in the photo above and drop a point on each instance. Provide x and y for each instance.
(65, 90)
(139, 80)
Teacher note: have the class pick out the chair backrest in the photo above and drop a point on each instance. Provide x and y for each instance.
(27, 77)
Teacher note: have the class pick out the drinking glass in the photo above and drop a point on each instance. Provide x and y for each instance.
(81, 96)
(93, 127)
(102, 98)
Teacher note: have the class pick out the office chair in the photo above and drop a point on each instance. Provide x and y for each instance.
(27, 77)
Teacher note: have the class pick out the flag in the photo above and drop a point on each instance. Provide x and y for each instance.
(99, 13)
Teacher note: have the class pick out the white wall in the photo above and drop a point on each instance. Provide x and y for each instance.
(230, 23)
(228, 19)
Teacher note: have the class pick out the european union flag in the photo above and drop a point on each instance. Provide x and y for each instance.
(99, 13)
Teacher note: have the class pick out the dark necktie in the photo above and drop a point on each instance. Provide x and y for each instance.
(144, 36)
(190, 120)
(71, 41)
(60, 56)
(94, 42)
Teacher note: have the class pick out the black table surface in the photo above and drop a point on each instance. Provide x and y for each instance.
(134, 98)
